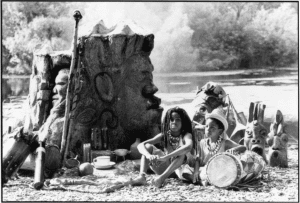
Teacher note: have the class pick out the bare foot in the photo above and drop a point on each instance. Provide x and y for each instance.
(141, 180)
(157, 182)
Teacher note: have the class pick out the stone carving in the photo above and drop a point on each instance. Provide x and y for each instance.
(277, 141)
(46, 65)
(256, 133)
(208, 98)
(114, 87)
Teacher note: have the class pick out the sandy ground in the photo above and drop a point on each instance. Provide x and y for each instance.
(278, 185)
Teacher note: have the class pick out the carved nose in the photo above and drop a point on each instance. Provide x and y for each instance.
(149, 90)
(275, 148)
(255, 141)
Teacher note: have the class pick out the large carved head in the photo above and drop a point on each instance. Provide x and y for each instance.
(142, 113)
(46, 65)
(114, 88)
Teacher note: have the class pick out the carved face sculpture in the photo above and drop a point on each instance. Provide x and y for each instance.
(60, 88)
(200, 111)
(277, 141)
(256, 133)
(40, 91)
(255, 137)
(138, 109)
(208, 98)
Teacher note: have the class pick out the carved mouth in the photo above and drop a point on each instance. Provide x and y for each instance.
(257, 150)
(154, 103)
(275, 154)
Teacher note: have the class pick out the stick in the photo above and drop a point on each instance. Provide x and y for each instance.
(64, 144)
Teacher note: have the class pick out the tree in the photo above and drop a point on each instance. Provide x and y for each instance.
(27, 24)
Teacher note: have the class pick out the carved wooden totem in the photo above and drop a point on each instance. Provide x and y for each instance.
(113, 89)
(277, 141)
(256, 133)
(46, 65)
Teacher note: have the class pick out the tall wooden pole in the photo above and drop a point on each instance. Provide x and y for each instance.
(64, 144)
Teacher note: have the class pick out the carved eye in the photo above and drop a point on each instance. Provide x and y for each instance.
(249, 133)
(270, 141)
(263, 132)
(203, 109)
(284, 138)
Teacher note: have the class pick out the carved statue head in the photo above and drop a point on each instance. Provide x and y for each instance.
(113, 87)
(277, 141)
(256, 133)
(61, 84)
(46, 65)
(142, 112)
(208, 98)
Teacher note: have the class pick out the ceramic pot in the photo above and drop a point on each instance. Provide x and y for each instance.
(135, 154)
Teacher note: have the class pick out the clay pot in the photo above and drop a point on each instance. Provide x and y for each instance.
(71, 163)
(135, 154)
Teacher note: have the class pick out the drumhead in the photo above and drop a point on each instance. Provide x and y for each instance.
(223, 170)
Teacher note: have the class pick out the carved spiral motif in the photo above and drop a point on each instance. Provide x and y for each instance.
(87, 116)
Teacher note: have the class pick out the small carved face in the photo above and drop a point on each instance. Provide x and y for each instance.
(139, 109)
(255, 136)
(200, 112)
(277, 155)
(61, 84)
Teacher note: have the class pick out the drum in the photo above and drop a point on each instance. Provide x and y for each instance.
(52, 160)
(252, 163)
(16, 148)
(225, 169)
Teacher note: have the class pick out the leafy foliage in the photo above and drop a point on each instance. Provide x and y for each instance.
(28, 24)
(189, 36)
(244, 35)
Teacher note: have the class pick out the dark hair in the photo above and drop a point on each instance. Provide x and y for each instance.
(219, 123)
(185, 121)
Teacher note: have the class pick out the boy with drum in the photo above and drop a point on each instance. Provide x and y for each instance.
(215, 141)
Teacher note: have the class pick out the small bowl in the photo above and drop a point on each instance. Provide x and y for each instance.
(121, 152)
(71, 163)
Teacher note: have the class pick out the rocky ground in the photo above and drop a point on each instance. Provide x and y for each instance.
(278, 185)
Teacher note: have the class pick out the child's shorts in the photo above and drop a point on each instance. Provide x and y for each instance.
(162, 166)
(185, 168)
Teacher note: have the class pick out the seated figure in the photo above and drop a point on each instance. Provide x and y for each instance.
(214, 142)
(177, 140)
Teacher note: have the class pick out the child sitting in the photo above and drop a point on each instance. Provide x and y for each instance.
(215, 141)
(176, 139)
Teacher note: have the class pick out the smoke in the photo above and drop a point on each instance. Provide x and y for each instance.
(166, 20)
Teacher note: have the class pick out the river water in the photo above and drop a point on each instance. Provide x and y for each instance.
(277, 88)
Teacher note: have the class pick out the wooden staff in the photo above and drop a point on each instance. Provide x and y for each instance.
(64, 144)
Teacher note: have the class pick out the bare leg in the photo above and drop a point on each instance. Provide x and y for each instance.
(141, 179)
(158, 181)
